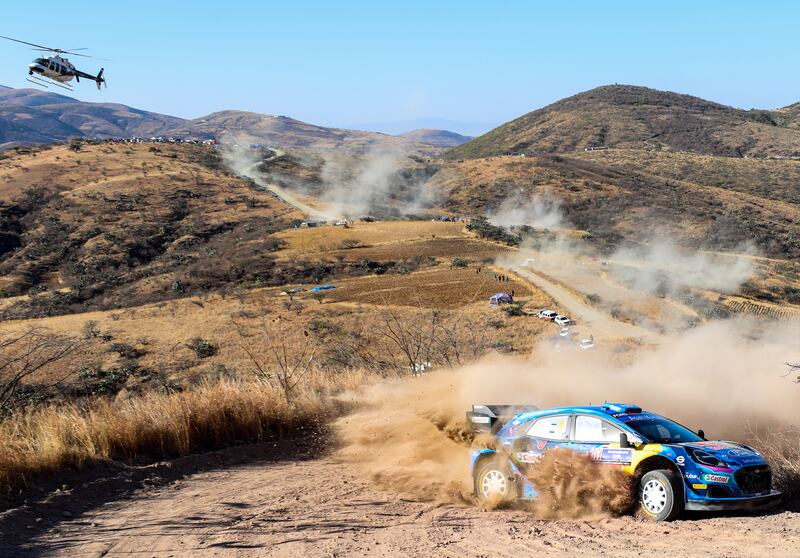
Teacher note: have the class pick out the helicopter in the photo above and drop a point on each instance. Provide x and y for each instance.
(57, 70)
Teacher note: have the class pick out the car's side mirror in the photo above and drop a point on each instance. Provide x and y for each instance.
(701, 433)
(623, 440)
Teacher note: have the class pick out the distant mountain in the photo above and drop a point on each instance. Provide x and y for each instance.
(28, 116)
(283, 131)
(437, 138)
(395, 128)
(625, 116)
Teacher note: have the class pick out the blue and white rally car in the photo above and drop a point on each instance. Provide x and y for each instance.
(674, 469)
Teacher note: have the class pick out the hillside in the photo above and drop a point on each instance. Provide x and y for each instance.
(627, 116)
(251, 127)
(114, 225)
(28, 116)
(699, 201)
(437, 138)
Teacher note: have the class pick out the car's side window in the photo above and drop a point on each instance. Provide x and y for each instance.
(594, 429)
(550, 428)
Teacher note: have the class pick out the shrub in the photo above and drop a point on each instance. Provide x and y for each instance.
(484, 229)
(75, 144)
(513, 310)
(91, 329)
(125, 351)
(349, 243)
(203, 348)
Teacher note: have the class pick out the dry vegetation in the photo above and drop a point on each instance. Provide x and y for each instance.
(305, 241)
(616, 196)
(636, 117)
(188, 374)
(445, 288)
(115, 225)
(172, 278)
(39, 442)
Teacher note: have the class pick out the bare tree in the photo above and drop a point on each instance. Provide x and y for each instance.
(25, 353)
(793, 367)
(288, 360)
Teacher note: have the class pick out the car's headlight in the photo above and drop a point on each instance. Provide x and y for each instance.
(706, 458)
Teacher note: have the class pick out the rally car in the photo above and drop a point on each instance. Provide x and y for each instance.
(674, 468)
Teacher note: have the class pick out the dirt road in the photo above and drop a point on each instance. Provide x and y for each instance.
(316, 507)
(285, 195)
(589, 319)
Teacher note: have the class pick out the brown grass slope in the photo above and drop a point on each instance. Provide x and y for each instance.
(115, 224)
(638, 117)
(699, 201)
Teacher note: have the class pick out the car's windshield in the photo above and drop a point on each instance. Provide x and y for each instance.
(664, 431)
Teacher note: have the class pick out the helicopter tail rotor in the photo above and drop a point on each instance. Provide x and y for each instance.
(100, 79)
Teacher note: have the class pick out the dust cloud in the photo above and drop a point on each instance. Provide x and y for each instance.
(372, 184)
(239, 159)
(410, 436)
(660, 266)
(654, 265)
(538, 212)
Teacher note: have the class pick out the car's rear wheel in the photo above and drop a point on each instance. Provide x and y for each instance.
(493, 482)
(661, 495)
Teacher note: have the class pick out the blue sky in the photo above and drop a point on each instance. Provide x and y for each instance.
(346, 63)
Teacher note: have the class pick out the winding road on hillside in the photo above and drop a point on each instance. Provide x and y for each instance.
(587, 318)
(319, 507)
(283, 194)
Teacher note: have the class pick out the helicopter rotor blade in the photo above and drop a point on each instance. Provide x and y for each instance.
(56, 50)
(30, 44)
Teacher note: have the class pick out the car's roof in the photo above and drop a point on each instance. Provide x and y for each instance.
(606, 409)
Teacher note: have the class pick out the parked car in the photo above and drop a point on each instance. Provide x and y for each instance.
(672, 468)
(547, 315)
(586, 343)
(562, 320)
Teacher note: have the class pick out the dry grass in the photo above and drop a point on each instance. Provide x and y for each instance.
(437, 288)
(130, 222)
(441, 248)
(48, 440)
(328, 238)
(782, 450)
(161, 330)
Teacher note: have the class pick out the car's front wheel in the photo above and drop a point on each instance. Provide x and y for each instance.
(493, 483)
(661, 495)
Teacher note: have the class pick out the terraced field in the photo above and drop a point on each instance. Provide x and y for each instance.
(441, 287)
(769, 312)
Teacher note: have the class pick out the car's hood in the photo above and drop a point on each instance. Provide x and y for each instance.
(730, 452)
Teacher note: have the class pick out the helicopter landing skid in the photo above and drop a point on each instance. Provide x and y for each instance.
(47, 82)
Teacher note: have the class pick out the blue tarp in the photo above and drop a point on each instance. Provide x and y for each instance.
(323, 288)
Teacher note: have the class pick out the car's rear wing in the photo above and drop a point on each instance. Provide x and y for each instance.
(491, 418)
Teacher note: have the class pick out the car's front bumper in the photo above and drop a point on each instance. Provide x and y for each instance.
(723, 504)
